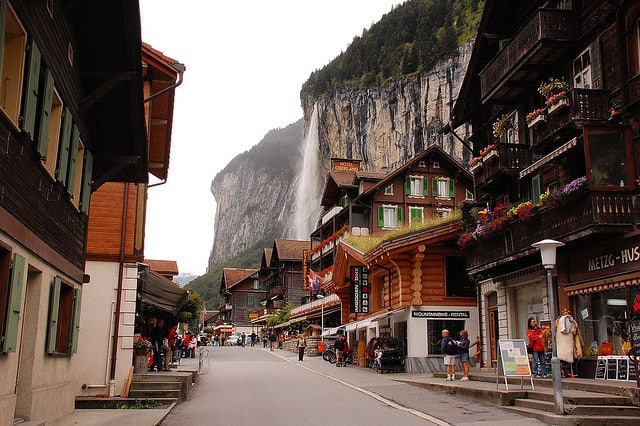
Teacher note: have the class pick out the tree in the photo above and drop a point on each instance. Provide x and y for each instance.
(190, 311)
(281, 315)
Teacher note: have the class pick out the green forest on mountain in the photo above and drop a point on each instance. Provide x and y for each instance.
(408, 40)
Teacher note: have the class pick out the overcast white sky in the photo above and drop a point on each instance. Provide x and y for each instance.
(246, 62)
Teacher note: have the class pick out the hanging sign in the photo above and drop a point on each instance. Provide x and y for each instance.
(359, 289)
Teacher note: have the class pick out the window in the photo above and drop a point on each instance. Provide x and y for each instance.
(417, 186)
(468, 195)
(389, 216)
(64, 318)
(11, 283)
(256, 285)
(388, 190)
(250, 299)
(582, 70)
(422, 164)
(440, 212)
(586, 68)
(608, 157)
(14, 39)
(434, 332)
(416, 215)
(436, 165)
(444, 188)
(457, 280)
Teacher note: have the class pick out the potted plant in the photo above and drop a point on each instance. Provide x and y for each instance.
(488, 151)
(536, 116)
(141, 346)
(502, 126)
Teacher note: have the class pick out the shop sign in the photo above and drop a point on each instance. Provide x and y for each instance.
(440, 314)
(360, 289)
(604, 259)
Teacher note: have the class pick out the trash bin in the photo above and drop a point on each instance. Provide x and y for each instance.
(320, 347)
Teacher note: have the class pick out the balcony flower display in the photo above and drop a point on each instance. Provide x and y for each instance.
(141, 346)
(564, 195)
(536, 116)
(556, 99)
(552, 87)
(475, 162)
(465, 240)
(484, 151)
(503, 125)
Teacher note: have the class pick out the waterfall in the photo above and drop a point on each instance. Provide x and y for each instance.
(306, 204)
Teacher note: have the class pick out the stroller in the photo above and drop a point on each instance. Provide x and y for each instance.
(388, 356)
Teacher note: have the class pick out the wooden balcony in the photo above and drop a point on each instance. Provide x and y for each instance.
(585, 105)
(277, 291)
(587, 214)
(541, 43)
(510, 158)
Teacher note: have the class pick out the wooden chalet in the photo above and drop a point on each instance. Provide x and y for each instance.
(552, 98)
(243, 294)
(72, 119)
(284, 281)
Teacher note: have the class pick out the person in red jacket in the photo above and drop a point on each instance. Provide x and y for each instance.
(534, 334)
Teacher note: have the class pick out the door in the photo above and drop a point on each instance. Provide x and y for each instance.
(493, 335)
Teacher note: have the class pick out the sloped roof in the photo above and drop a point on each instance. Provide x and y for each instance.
(163, 267)
(336, 182)
(233, 276)
(266, 257)
(434, 150)
(291, 250)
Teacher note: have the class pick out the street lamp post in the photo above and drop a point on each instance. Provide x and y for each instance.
(319, 296)
(548, 254)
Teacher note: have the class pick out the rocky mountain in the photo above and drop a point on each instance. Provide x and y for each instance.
(384, 126)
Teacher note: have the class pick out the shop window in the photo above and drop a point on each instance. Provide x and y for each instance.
(13, 38)
(434, 333)
(457, 280)
(608, 159)
(64, 318)
(602, 318)
(12, 280)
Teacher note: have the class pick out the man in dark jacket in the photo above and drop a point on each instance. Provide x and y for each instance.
(338, 345)
(449, 349)
(157, 336)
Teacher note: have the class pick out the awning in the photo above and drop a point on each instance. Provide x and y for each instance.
(366, 322)
(553, 154)
(161, 293)
(599, 286)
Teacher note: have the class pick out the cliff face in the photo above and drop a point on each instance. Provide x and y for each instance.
(382, 126)
(385, 126)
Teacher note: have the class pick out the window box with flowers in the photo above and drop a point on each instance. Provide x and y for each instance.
(475, 163)
(555, 93)
(536, 117)
(504, 128)
(488, 152)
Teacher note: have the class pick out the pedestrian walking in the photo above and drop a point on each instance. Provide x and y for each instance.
(302, 345)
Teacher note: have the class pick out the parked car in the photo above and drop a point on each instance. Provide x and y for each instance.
(232, 341)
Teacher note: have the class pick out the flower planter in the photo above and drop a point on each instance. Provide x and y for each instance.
(536, 120)
(489, 155)
(141, 351)
(475, 166)
(558, 105)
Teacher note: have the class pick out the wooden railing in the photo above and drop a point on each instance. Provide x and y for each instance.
(585, 214)
(548, 24)
(510, 158)
(584, 105)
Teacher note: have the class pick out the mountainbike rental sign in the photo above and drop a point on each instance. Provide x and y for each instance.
(360, 289)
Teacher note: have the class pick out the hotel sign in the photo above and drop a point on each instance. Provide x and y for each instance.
(360, 290)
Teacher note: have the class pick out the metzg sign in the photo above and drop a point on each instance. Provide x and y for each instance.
(360, 289)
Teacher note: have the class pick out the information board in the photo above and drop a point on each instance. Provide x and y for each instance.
(514, 358)
(632, 370)
(623, 368)
(633, 328)
(601, 368)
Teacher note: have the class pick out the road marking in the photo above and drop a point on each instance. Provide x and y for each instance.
(392, 404)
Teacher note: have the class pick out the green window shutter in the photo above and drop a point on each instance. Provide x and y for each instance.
(45, 116)
(54, 306)
(73, 160)
(75, 322)
(87, 176)
(407, 186)
(31, 90)
(535, 188)
(65, 142)
(15, 303)
(452, 188)
(380, 217)
(400, 216)
(425, 187)
(434, 183)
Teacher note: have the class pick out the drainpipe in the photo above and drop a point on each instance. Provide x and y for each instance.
(181, 69)
(116, 326)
